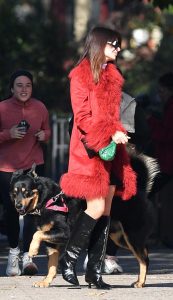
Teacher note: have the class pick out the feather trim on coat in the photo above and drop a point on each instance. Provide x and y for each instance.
(87, 187)
(108, 93)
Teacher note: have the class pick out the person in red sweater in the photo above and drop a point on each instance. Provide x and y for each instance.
(20, 147)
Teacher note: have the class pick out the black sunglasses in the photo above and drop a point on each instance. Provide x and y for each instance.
(114, 44)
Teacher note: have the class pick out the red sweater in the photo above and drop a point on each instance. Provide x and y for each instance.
(18, 154)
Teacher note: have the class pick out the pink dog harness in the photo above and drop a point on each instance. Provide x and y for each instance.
(51, 203)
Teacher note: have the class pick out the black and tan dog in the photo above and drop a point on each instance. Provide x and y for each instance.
(41, 196)
(131, 221)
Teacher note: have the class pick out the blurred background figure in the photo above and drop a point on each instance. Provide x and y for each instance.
(161, 126)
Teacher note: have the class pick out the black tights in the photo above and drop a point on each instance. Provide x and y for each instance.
(12, 217)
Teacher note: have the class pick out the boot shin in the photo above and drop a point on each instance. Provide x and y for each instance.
(78, 241)
(96, 254)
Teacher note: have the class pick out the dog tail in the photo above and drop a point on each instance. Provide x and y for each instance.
(146, 168)
(153, 171)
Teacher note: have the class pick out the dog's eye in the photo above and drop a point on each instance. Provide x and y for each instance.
(26, 193)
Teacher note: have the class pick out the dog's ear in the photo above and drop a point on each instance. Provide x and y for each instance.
(32, 171)
(16, 174)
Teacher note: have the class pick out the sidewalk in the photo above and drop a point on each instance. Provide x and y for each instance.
(159, 284)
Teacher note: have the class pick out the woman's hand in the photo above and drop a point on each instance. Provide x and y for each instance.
(16, 132)
(120, 137)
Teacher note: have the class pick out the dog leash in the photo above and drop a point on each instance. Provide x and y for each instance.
(51, 203)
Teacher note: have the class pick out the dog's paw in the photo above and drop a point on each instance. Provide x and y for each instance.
(41, 284)
(138, 284)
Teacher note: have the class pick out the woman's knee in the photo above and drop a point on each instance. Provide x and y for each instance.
(96, 207)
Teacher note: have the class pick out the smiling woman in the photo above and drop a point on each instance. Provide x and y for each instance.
(24, 123)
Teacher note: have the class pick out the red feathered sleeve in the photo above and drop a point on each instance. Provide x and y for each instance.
(101, 133)
(108, 95)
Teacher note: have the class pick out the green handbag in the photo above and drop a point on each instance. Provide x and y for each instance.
(108, 153)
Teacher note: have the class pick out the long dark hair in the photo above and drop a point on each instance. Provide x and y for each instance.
(94, 48)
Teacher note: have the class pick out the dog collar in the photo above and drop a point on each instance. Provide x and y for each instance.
(35, 212)
(51, 203)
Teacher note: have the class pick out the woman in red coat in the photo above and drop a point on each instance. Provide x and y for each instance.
(96, 87)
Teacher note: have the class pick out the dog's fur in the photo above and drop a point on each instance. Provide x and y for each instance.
(30, 194)
(131, 221)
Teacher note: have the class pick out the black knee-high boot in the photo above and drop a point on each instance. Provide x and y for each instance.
(96, 253)
(78, 241)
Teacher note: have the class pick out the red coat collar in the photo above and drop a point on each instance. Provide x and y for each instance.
(108, 90)
(110, 74)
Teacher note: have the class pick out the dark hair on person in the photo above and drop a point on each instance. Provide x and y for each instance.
(94, 48)
(17, 73)
(166, 80)
(14, 75)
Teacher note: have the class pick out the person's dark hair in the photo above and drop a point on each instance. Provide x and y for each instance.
(166, 80)
(94, 48)
(17, 73)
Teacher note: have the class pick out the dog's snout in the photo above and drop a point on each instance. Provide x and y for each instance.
(18, 205)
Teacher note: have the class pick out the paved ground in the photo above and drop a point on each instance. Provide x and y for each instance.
(159, 283)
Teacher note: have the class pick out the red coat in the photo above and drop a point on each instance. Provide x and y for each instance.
(96, 118)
